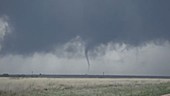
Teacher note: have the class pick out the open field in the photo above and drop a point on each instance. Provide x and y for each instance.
(83, 87)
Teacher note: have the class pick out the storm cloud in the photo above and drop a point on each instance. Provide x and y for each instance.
(4, 28)
(67, 30)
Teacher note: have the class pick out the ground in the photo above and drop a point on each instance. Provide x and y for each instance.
(83, 87)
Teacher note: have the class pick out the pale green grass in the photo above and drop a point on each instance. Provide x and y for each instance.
(83, 87)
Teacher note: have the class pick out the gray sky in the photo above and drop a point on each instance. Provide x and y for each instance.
(118, 34)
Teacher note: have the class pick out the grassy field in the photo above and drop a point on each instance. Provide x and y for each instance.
(83, 87)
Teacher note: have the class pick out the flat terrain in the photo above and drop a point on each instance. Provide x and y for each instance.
(83, 87)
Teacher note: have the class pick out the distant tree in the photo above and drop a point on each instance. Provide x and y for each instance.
(40, 75)
(5, 75)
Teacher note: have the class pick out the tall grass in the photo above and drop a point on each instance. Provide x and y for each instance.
(83, 87)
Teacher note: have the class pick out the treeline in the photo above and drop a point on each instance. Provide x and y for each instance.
(19, 75)
(80, 76)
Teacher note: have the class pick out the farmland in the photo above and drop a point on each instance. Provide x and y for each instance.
(14, 86)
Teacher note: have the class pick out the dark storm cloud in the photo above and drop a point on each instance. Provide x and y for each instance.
(42, 24)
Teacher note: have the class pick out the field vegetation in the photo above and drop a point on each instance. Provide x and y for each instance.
(83, 87)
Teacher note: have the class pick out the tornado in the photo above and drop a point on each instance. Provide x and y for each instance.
(137, 54)
(87, 58)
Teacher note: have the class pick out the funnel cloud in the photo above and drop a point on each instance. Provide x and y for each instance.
(87, 58)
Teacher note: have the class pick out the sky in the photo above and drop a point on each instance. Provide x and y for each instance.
(117, 37)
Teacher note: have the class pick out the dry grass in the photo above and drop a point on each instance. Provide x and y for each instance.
(83, 87)
(166, 95)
